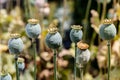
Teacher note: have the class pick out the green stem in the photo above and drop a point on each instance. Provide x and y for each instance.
(35, 69)
(16, 66)
(64, 17)
(104, 10)
(88, 8)
(81, 73)
(55, 65)
(75, 61)
(99, 7)
(108, 60)
(118, 28)
(29, 8)
(93, 38)
(86, 19)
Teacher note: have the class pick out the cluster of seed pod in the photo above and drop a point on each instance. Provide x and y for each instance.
(53, 39)
(15, 43)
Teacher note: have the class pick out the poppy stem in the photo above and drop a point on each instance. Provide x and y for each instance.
(75, 61)
(55, 65)
(16, 66)
(81, 73)
(35, 52)
(109, 60)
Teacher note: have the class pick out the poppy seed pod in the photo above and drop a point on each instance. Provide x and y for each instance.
(15, 44)
(83, 54)
(107, 30)
(21, 64)
(33, 29)
(53, 38)
(5, 76)
(76, 33)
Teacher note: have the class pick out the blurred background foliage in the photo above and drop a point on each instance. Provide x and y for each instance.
(88, 13)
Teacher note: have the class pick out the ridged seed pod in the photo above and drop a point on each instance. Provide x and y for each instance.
(76, 33)
(83, 54)
(107, 30)
(33, 29)
(21, 64)
(53, 38)
(15, 44)
(5, 76)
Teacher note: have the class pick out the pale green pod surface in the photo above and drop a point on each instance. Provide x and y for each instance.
(33, 30)
(76, 35)
(53, 40)
(15, 45)
(83, 56)
(5, 77)
(107, 31)
(21, 65)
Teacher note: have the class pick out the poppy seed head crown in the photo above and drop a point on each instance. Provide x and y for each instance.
(33, 21)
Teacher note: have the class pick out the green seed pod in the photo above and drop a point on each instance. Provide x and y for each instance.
(53, 38)
(15, 44)
(83, 54)
(21, 64)
(5, 76)
(76, 33)
(107, 30)
(33, 29)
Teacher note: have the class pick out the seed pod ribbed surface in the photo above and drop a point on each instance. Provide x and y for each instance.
(54, 40)
(15, 45)
(33, 30)
(107, 31)
(76, 35)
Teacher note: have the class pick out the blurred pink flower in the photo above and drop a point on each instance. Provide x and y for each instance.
(46, 56)
(39, 3)
(62, 63)
(65, 52)
(95, 20)
(111, 13)
(116, 48)
(3, 1)
(45, 11)
(45, 73)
